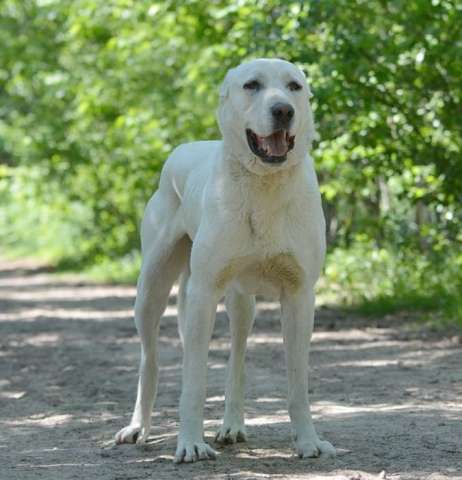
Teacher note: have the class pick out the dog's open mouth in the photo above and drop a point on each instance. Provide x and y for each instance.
(273, 148)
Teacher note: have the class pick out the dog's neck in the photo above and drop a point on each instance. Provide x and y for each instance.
(267, 183)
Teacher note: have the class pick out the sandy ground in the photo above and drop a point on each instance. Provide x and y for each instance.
(389, 398)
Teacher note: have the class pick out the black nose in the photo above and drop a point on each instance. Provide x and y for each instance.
(282, 114)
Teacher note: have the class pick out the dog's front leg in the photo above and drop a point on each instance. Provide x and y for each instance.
(297, 326)
(200, 316)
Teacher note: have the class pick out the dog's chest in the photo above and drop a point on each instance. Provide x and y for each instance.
(264, 222)
(271, 239)
(266, 275)
(262, 227)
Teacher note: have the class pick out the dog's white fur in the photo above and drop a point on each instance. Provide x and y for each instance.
(234, 226)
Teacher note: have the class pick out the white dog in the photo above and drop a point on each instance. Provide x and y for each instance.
(235, 218)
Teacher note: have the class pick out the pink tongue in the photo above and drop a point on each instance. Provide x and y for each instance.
(275, 144)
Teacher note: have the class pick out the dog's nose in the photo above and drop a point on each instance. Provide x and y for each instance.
(282, 114)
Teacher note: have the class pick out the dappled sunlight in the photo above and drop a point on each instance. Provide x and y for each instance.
(70, 383)
(264, 339)
(71, 293)
(11, 394)
(357, 335)
(333, 409)
(40, 420)
(268, 419)
(29, 315)
(41, 339)
(24, 281)
(268, 400)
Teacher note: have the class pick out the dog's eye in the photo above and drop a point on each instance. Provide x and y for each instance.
(252, 85)
(294, 86)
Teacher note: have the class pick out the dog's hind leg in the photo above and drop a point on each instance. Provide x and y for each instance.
(165, 252)
(154, 285)
(241, 312)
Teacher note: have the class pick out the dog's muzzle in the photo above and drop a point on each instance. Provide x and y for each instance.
(272, 148)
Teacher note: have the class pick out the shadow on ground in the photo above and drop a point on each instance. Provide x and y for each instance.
(68, 369)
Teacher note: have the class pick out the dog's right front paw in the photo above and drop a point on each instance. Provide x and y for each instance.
(131, 434)
(189, 451)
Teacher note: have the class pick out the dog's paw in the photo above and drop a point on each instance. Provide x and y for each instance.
(132, 434)
(231, 433)
(310, 448)
(188, 451)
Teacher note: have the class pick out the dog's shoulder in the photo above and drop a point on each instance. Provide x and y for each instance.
(188, 168)
(190, 156)
(192, 152)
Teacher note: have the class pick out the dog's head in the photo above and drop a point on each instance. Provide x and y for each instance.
(265, 116)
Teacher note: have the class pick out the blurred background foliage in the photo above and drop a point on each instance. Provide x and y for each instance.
(94, 95)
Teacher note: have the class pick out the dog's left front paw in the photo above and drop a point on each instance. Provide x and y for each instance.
(189, 451)
(311, 448)
(231, 433)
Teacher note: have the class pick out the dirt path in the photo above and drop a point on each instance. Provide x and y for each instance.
(390, 401)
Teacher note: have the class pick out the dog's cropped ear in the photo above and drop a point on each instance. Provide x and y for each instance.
(224, 94)
(308, 88)
(310, 93)
(224, 88)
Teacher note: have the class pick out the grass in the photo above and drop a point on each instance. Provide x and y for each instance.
(122, 270)
(378, 281)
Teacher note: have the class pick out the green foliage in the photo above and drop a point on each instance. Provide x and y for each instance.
(52, 226)
(94, 95)
(378, 280)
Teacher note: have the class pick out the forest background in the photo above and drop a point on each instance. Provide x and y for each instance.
(95, 95)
